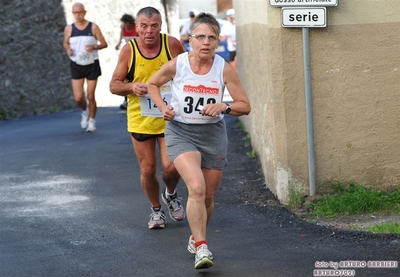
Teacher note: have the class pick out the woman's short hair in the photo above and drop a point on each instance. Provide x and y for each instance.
(208, 19)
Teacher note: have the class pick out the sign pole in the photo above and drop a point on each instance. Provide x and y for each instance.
(294, 15)
(309, 113)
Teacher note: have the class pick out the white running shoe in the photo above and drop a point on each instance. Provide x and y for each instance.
(84, 120)
(191, 248)
(175, 209)
(91, 126)
(157, 220)
(203, 258)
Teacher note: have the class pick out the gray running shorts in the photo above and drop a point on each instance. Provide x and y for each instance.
(210, 140)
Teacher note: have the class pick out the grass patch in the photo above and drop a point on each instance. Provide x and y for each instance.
(53, 109)
(248, 140)
(386, 228)
(36, 111)
(4, 114)
(241, 125)
(252, 153)
(296, 199)
(356, 200)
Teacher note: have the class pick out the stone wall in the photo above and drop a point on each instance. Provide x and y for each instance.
(34, 69)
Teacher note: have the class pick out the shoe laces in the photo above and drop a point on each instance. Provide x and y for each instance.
(175, 204)
(157, 215)
(202, 251)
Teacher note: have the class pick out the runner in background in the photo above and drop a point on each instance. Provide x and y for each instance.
(228, 33)
(128, 32)
(82, 40)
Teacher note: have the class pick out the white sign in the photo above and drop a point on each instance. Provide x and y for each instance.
(303, 3)
(304, 17)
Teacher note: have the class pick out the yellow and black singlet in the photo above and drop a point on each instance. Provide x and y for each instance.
(141, 69)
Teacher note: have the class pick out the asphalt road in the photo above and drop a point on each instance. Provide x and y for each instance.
(71, 205)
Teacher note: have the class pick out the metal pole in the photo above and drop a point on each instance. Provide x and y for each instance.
(310, 124)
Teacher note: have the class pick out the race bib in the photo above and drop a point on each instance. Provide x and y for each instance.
(195, 98)
(149, 108)
(84, 58)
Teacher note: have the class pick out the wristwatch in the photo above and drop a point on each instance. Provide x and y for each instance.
(228, 108)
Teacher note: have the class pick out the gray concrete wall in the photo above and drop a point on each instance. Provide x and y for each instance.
(355, 73)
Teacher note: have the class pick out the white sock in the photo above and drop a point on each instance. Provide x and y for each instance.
(168, 194)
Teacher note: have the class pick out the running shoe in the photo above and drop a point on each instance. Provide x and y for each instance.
(191, 248)
(157, 220)
(176, 211)
(203, 258)
(91, 125)
(84, 120)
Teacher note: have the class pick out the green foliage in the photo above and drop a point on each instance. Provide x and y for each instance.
(296, 198)
(53, 109)
(4, 114)
(36, 111)
(248, 140)
(251, 154)
(313, 222)
(356, 200)
(247, 143)
(241, 125)
(338, 188)
(388, 228)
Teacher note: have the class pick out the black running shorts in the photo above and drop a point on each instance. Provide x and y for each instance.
(143, 137)
(90, 71)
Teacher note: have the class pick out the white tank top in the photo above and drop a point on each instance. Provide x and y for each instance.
(191, 92)
(78, 41)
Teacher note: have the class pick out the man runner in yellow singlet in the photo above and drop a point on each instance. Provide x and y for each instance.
(138, 61)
